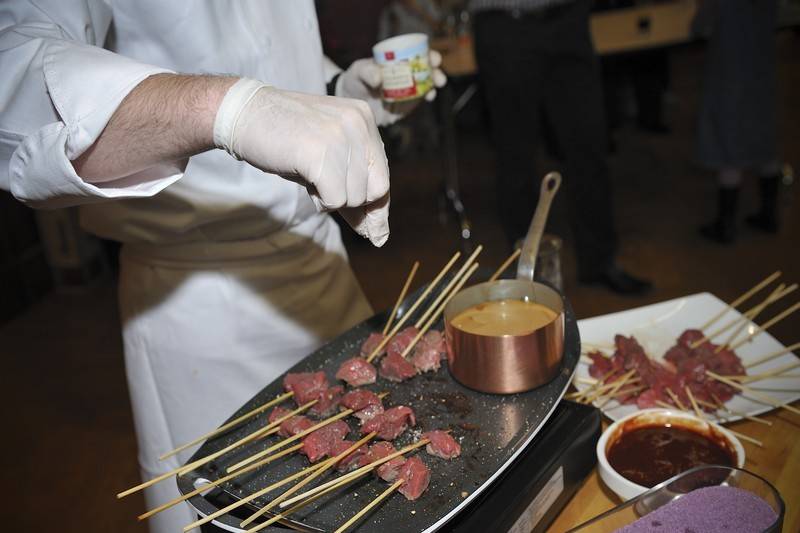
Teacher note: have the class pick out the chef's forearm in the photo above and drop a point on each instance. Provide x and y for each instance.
(167, 117)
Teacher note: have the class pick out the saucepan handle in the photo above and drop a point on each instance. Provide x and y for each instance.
(527, 260)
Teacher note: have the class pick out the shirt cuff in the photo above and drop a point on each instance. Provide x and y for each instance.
(86, 85)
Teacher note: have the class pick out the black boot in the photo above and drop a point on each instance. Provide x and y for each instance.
(723, 229)
(766, 219)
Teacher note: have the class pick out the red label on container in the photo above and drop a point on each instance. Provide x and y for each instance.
(389, 56)
(400, 93)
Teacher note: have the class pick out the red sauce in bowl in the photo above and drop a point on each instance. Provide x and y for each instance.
(650, 454)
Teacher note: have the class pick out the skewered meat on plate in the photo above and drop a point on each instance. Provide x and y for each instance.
(395, 367)
(417, 476)
(322, 442)
(371, 343)
(369, 412)
(276, 413)
(401, 340)
(684, 367)
(442, 444)
(358, 399)
(388, 470)
(391, 423)
(292, 425)
(356, 372)
(350, 461)
(306, 386)
(327, 402)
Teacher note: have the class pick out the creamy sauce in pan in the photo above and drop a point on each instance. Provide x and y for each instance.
(503, 317)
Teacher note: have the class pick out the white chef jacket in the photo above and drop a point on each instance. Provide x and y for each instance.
(228, 274)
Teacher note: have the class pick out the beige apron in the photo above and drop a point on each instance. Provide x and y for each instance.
(206, 326)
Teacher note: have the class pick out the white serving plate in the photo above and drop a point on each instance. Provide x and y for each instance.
(658, 326)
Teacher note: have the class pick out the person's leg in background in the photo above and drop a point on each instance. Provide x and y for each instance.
(650, 74)
(511, 74)
(574, 101)
(737, 118)
(769, 183)
(723, 228)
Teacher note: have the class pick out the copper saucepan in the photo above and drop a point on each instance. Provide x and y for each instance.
(506, 364)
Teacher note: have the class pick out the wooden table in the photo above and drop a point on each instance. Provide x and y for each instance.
(778, 462)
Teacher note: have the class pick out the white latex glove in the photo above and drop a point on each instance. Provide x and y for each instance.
(330, 145)
(363, 80)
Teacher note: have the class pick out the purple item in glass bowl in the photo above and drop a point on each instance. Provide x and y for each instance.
(717, 509)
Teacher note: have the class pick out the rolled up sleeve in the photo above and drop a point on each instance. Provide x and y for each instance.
(61, 96)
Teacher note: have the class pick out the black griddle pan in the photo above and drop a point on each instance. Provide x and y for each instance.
(492, 430)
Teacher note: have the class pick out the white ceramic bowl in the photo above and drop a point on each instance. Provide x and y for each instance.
(623, 487)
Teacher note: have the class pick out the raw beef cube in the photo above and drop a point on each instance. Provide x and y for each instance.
(441, 444)
(356, 372)
(395, 368)
(320, 443)
(371, 343)
(359, 399)
(417, 476)
(401, 341)
(306, 386)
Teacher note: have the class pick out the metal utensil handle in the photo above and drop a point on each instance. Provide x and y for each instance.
(527, 260)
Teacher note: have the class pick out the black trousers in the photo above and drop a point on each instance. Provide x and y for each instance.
(538, 63)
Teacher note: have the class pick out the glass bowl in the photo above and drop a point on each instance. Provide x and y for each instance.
(680, 485)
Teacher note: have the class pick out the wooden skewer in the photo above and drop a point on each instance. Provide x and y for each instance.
(774, 320)
(502, 268)
(748, 315)
(674, 398)
(666, 405)
(435, 316)
(295, 508)
(303, 433)
(748, 438)
(776, 372)
(346, 478)
(329, 464)
(614, 389)
(447, 287)
(776, 295)
(721, 405)
(269, 429)
(601, 384)
(623, 392)
(613, 386)
(287, 440)
(416, 304)
(740, 435)
(757, 395)
(400, 297)
(257, 494)
(773, 355)
(382, 496)
(211, 484)
(229, 425)
(763, 283)
(600, 391)
(285, 514)
(697, 411)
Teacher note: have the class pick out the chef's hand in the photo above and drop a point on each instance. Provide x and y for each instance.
(330, 145)
(363, 80)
